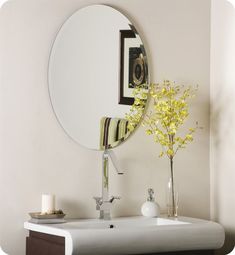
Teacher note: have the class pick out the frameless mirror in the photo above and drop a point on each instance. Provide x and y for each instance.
(96, 61)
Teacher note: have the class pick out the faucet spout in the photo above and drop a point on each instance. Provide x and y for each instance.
(114, 160)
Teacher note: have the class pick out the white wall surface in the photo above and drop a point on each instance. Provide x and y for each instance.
(36, 156)
(222, 118)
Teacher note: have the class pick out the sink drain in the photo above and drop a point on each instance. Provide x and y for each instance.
(111, 226)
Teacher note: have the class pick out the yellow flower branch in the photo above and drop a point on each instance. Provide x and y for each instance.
(171, 109)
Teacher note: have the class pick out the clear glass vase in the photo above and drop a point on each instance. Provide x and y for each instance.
(172, 194)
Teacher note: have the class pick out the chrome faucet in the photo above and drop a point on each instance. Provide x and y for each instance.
(104, 203)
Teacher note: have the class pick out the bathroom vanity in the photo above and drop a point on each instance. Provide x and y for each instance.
(129, 235)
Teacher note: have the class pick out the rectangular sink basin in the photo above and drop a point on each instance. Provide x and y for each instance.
(121, 223)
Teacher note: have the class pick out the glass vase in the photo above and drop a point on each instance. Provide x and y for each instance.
(172, 194)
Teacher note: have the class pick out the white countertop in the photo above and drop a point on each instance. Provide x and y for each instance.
(93, 236)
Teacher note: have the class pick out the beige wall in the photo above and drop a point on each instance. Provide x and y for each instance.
(222, 118)
(36, 156)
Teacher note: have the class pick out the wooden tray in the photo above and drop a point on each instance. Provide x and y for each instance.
(38, 215)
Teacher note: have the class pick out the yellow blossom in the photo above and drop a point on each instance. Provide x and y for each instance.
(169, 112)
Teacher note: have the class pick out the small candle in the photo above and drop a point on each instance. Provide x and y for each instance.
(48, 204)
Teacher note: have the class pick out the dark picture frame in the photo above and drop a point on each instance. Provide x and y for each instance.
(135, 64)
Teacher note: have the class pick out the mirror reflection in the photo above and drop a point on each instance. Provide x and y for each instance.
(96, 62)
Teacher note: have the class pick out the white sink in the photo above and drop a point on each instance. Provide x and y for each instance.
(134, 235)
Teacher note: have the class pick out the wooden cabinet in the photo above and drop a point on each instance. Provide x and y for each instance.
(43, 244)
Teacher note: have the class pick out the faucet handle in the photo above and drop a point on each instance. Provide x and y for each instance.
(113, 198)
(98, 201)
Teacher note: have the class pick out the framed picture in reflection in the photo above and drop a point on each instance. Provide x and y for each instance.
(133, 70)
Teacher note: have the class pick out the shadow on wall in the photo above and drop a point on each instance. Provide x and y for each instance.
(221, 119)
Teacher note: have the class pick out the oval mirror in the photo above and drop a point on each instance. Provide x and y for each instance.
(96, 61)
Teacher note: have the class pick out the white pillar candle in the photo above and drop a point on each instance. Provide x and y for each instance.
(48, 204)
